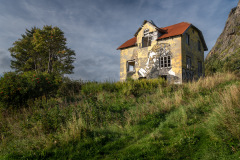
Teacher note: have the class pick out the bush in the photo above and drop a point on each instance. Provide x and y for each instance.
(69, 87)
(16, 89)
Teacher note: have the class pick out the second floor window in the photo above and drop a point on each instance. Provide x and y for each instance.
(165, 61)
(147, 38)
(187, 38)
(146, 41)
(199, 46)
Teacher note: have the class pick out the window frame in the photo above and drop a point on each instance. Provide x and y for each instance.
(129, 63)
(147, 38)
(165, 62)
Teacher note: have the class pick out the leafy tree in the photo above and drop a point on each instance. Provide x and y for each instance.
(42, 50)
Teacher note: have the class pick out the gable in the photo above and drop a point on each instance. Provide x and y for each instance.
(146, 24)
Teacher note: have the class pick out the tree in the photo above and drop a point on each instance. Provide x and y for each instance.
(42, 50)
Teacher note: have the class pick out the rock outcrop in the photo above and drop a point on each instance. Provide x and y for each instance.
(226, 51)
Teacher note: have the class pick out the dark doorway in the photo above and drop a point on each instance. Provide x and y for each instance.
(140, 78)
(164, 77)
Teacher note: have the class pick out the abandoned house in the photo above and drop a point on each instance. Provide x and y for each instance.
(175, 53)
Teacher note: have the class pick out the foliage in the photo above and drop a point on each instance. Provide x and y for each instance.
(198, 120)
(17, 89)
(230, 64)
(69, 88)
(42, 50)
(213, 65)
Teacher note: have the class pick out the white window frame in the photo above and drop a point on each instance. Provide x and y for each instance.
(165, 62)
(131, 63)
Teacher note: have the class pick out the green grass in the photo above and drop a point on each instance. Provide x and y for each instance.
(146, 119)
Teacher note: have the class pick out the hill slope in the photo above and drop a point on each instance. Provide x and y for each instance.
(144, 119)
(225, 55)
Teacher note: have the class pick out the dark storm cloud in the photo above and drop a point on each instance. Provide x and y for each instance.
(94, 29)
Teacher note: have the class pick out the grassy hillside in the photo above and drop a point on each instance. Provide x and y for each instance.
(231, 63)
(146, 119)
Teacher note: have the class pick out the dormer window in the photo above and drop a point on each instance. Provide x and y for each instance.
(147, 38)
(146, 41)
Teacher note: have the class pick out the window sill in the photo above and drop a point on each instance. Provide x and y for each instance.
(164, 67)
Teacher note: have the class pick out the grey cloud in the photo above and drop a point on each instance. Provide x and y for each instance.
(5, 62)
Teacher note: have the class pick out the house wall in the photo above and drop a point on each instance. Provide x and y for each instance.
(147, 58)
(192, 51)
(176, 60)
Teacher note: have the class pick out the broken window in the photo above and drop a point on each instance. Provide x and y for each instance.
(199, 68)
(146, 32)
(188, 62)
(165, 61)
(199, 45)
(147, 39)
(131, 66)
(187, 38)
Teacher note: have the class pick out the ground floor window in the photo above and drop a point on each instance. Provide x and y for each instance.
(189, 63)
(165, 61)
(199, 68)
(131, 66)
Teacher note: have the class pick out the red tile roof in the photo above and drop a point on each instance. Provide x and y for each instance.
(128, 43)
(170, 31)
(175, 30)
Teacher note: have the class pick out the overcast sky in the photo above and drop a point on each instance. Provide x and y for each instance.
(95, 28)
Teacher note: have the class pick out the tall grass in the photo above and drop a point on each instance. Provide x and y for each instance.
(142, 119)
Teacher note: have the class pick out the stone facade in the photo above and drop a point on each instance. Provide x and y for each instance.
(151, 56)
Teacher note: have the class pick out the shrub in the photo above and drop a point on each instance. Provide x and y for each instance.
(16, 89)
(69, 88)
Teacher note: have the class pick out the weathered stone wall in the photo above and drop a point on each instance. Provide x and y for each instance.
(192, 51)
(175, 73)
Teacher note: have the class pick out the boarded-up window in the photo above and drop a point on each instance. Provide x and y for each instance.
(131, 66)
(165, 61)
